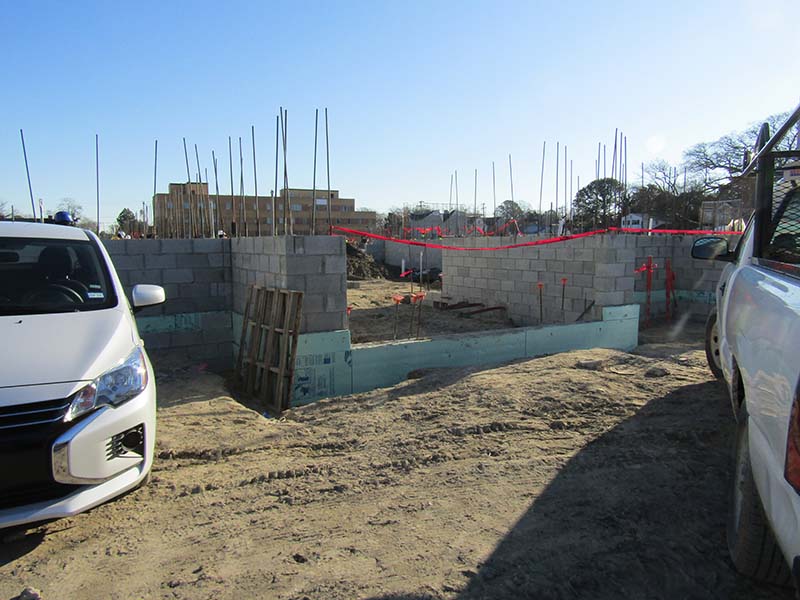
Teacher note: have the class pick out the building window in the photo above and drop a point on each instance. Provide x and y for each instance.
(169, 204)
(185, 205)
(227, 206)
(297, 207)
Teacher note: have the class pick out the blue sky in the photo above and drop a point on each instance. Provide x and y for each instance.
(414, 91)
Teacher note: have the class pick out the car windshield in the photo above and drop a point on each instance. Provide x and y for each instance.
(39, 276)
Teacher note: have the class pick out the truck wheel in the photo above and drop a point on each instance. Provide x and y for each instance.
(712, 344)
(751, 544)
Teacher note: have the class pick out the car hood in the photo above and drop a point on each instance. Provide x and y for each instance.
(62, 347)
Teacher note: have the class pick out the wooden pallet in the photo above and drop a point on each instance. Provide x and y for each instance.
(268, 346)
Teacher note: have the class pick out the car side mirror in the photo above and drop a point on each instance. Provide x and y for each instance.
(712, 248)
(147, 295)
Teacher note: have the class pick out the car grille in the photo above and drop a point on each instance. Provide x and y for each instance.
(35, 492)
(33, 414)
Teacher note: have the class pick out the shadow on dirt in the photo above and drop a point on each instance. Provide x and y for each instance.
(16, 542)
(638, 513)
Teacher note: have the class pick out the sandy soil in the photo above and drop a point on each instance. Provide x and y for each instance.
(591, 474)
(373, 316)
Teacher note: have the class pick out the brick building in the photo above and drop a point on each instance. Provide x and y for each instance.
(188, 210)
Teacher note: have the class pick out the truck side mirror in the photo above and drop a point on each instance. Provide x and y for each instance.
(712, 248)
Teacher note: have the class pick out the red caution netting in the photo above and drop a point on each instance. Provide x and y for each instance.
(554, 240)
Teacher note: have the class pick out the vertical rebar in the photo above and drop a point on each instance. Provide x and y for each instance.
(328, 168)
(275, 189)
(511, 177)
(541, 187)
(494, 199)
(314, 178)
(255, 181)
(217, 220)
(475, 206)
(242, 209)
(163, 209)
(234, 224)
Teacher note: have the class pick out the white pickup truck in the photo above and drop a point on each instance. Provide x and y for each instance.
(753, 342)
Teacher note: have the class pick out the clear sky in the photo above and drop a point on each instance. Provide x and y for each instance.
(414, 90)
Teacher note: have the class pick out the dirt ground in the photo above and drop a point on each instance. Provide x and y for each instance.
(373, 316)
(590, 474)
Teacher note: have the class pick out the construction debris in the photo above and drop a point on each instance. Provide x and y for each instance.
(361, 265)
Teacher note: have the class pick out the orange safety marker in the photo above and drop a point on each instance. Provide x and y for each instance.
(398, 299)
(647, 268)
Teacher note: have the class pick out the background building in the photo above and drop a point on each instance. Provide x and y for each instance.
(188, 210)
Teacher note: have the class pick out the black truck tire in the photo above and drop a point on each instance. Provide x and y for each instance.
(712, 344)
(751, 543)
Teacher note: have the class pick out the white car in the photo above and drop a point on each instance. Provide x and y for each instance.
(77, 392)
(753, 341)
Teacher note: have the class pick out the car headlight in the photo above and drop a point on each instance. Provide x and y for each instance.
(113, 387)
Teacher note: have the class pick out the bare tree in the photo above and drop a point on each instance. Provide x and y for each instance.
(715, 163)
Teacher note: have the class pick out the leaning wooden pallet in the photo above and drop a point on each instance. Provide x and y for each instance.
(268, 346)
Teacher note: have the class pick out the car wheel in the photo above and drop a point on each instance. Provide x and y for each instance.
(712, 345)
(751, 543)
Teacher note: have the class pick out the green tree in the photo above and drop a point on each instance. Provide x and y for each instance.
(599, 203)
(126, 220)
(509, 210)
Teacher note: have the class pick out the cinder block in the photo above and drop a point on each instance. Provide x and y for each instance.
(625, 283)
(176, 246)
(304, 265)
(323, 284)
(609, 298)
(555, 265)
(604, 284)
(152, 276)
(335, 263)
(143, 246)
(328, 245)
(609, 270)
(584, 281)
(156, 341)
(582, 254)
(215, 275)
(565, 253)
(178, 275)
(160, 261)
(128, 261)
(191, 261)
(185, 338)
(625, 255)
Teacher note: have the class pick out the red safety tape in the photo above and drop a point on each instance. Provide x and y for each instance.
(562, 238)
(554, 240)
(675, 231)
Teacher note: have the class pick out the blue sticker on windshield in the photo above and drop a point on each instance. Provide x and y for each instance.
(96, 295)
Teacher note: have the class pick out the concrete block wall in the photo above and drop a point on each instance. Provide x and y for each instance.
(195, 322)
(315, 265)
(600, 268)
